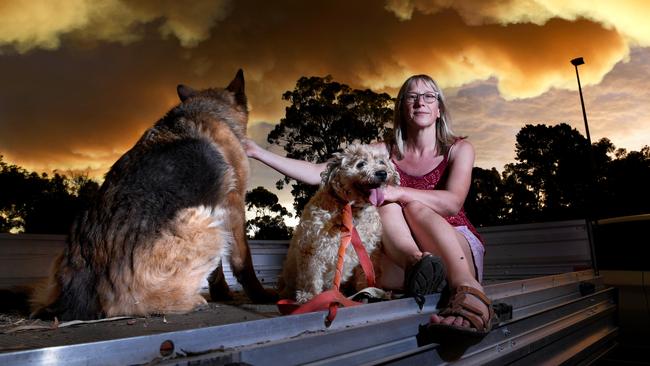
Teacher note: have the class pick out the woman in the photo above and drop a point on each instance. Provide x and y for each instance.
(425, 230)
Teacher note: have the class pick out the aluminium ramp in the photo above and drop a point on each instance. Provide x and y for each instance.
(554, 320)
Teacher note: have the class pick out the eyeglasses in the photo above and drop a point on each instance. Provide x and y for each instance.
(429, 97)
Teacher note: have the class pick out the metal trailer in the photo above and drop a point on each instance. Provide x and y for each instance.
(564, 318)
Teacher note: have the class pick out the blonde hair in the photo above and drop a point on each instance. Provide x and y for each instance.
(445, 136)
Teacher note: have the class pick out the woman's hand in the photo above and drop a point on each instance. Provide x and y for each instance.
(392, 193)
(251, 148)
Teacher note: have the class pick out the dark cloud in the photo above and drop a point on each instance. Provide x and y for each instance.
(82, 80)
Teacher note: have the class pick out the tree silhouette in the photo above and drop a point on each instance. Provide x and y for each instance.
(323, 118)
(522, 200)
(553, 167)
(12, 178)
(485, 203)
(36, 203)
(552, 179)
(625, 187)
(268, 222)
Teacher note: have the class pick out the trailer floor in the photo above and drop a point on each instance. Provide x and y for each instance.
(19, 333)
(565, 318)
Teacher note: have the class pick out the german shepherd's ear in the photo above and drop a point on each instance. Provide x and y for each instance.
(185, 92)
(237, 87)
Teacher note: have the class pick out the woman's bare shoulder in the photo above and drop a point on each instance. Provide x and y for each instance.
(464, 144)
(461, 148)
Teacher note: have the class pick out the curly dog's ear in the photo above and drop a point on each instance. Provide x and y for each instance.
(331, 172)
(333, 166)
(393, 174)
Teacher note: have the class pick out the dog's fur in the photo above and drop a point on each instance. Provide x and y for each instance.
(166, 212)
(311, 260)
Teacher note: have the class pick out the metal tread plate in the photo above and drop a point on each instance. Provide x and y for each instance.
(385, 332)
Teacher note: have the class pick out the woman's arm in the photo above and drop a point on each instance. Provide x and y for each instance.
(300, 170)
(448, 200)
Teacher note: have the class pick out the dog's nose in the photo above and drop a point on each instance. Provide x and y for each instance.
(381, 175)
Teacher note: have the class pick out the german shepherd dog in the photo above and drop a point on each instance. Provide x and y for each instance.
(166, 212)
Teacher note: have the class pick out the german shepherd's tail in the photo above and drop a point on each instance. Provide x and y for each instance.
(66, 295)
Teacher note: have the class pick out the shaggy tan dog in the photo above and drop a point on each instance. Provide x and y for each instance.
(352, 176)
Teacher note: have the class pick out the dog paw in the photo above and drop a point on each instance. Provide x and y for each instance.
(200, 304)
(303, 296)
(200, 300)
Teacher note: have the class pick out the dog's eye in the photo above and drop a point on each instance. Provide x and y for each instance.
(361, 164)
(382, 162)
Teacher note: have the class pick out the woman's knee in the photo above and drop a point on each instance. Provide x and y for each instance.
(390, 210)
(415, 211)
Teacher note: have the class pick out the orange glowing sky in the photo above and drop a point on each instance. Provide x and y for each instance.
(82, 79)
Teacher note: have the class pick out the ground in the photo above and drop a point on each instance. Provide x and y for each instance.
(20, 333)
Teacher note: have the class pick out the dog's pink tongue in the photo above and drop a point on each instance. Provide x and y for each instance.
(377, 196)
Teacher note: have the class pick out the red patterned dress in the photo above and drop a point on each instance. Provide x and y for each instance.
(459, 221)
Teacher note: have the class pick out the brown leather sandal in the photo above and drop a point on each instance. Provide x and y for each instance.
(459, 306)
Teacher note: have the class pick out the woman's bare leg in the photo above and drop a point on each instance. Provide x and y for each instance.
(398, 244)
(434, 234)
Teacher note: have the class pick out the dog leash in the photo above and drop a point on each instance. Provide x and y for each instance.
(333, 298)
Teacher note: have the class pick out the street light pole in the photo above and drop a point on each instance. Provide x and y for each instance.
(577, 62)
